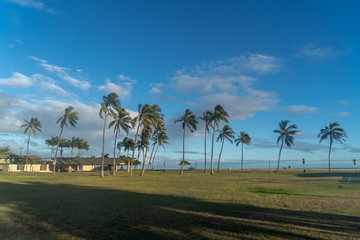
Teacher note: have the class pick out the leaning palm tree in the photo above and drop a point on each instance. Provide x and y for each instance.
(189, 121)
(52, 142)
(110, 101)
(335, 133)
(143, 119)
(217, 116)
(70, 117)
(206, 118)
(225, 133)
(122, 120)
(243, 138)
(32, 126)
(286, 134)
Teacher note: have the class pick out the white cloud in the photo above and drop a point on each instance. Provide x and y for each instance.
(32, 4)
(63, 73)
(343, 114)
(240, 106)
(300, 109)
(227, 83)
(17, 80)
(123, 88)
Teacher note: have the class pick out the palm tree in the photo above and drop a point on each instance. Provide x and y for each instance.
(219, 115)
(225, 133)
(206, 118)
(32, 126)
(63, 144)
(122, 120)
(189, 121)
(83, 145)
(70, 117)
(286, 133)
(160, 127)
(335, 133)
(143, 119)
(52, 142)
(110, 101)
(243, 138)
(161, 141)
(73, 143)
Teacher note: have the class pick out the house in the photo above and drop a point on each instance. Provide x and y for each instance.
(88, 164)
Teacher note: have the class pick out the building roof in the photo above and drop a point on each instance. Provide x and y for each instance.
(92, 161)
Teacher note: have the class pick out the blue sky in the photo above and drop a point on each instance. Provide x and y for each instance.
(263, 61)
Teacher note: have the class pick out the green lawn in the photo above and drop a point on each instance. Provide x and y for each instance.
(231, 205)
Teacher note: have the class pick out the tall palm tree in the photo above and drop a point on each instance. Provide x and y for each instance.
(122, 120)
(286, 134)
(206, 118)
(335, 133)
(189, 121)
(32, 126)
(217, 116)
(143, 119)
(110, 101)
(52, 142)
(243, 138)
(225, 133)
(69, 117)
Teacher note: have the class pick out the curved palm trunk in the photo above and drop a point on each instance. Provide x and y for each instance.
(27, 151)
(114, 165)
(144, 163)
(222, 145)
(212, 153)
(205, 150)
(57, 148)
(183, 162)
(331, 142)
(72, 152)
(151, 155)
(103, 149)
(79, 153)
(282, 143)
(131, 161)
(152, 166)
(242, 156)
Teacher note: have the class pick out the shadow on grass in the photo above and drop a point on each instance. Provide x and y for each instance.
(60, 211)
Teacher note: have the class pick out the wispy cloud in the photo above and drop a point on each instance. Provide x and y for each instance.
(33, 4)
(123, 87)
(314, 52)
(299, 109)
(343, 114)
(63, 73)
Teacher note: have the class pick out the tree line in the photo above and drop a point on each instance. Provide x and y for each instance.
(151, 131)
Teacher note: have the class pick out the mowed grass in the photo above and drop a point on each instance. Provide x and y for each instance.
(251, 204)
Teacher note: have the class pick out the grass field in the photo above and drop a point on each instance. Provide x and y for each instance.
(231, 205)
